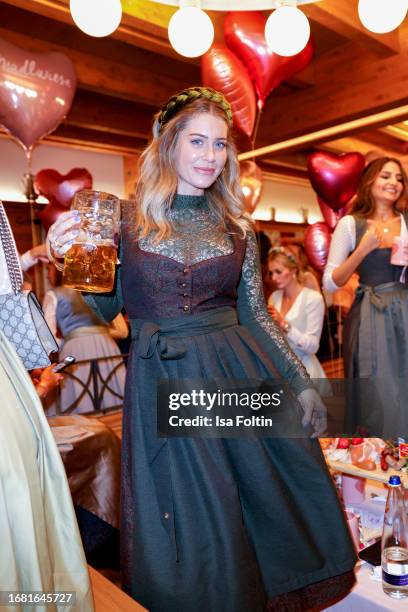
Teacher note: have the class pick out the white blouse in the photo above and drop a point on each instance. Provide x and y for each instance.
(305, 316)
(26, 261)
(342, 244)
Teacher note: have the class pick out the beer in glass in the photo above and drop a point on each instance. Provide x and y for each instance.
(90, 263)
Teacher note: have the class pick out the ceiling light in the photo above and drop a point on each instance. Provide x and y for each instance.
(287, 30)
(381, 16)
(191, 31)
(96, 18)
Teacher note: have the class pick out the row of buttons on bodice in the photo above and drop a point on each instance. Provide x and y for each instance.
(186, 290)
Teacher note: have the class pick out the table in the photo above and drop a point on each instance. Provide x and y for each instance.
(377, 474)
(367, 596)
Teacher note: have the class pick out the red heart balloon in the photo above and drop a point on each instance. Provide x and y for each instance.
(61, 188)
(251, 184)
(296, 63)
(244, 34)
(50, 214)
(335, 177)
(223, 71)
(36, 92)
(329, 215)
(317, 242)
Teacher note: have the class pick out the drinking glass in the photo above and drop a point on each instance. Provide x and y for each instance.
(90, 263)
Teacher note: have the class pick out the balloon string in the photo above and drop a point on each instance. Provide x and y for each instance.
(29, 160)
(258, 120)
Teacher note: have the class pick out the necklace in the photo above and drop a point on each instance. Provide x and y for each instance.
(384, 225)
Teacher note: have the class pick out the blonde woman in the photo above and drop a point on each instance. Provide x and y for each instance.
(298, 310)
(209, 524)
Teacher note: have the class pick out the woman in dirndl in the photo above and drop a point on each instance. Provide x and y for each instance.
(220, 524)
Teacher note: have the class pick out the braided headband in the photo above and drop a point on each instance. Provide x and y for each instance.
(277, 250)
(180, 100)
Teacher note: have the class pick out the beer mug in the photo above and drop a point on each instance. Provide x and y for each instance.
(89, 265)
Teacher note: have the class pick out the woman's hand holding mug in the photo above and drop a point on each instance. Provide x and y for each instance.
(62, 234)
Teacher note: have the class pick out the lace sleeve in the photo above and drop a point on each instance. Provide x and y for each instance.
(343, 242)
(252, 313)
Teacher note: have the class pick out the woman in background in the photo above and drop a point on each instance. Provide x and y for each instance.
(298, 310)
(310, 277)
(85, 336)
(376, 328)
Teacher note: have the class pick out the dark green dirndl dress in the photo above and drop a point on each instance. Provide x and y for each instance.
(220, 525)
(376, 346)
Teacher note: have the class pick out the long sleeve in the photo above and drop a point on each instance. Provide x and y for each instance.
(27, 261)
(49, 307)
(118, 329)
(342, 244)
(309, 340)
(252, 313)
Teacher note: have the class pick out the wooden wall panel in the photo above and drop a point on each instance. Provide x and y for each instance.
(20, 221)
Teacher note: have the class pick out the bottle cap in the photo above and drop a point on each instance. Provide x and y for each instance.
(394, 481)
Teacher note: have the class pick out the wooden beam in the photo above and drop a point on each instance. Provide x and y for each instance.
(325, 134)
(141, 84)
(398, 131)
(341, 16)
(20, 21)
(343, 94)
(384, 140)
(270, 168)
(108, 114)
(140, 33)
(357, 143)
(93, 140)
(144, 24)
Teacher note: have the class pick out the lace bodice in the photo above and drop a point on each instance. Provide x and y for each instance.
(195, 236)
(198, 268)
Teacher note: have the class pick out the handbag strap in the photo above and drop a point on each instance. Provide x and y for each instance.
(10, 252)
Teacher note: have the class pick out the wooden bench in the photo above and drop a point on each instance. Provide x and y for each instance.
(109, 598)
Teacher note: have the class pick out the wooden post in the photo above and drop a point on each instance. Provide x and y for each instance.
(131, 174)
(36, 232)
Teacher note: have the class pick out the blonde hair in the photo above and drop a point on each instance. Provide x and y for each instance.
(287, 259)
(157, 185)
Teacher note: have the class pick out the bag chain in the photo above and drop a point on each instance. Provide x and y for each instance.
(10, 253)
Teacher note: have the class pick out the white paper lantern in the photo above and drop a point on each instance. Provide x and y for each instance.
(381, 16)
(287, 31)
(96, 17)
(191, 31)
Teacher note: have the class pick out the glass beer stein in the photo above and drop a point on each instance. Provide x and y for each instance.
(90, 263)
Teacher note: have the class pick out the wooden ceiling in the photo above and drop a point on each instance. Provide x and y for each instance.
(124, 78)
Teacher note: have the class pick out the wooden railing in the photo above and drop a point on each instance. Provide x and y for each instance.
(94, 387)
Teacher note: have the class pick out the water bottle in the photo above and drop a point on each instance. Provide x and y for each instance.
(394, 544)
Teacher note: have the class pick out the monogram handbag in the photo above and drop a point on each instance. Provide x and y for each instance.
(21, 318)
